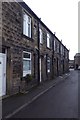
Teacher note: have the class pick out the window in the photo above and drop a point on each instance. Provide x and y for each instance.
(41, 36)
(48, 40)
(61, 49)
(26, 25)
(48, 64)
(26, 63)
(54, 45)
(57, 47)
(66, 55)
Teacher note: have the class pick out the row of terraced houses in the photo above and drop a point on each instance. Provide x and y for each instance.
(28, 47)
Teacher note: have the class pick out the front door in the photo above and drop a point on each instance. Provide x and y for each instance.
(2, 74)
(40, 70)
(63, 66)
(57, 67)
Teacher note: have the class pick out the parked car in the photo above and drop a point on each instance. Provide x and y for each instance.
(71, 67)
(79, 68)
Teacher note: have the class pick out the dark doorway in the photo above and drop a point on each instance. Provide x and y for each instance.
(63, 66)
(57, 68)
(76, 66)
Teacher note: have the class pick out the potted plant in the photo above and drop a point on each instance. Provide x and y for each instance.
(28, 78)
(25, 80)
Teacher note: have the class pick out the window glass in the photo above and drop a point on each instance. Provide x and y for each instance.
(26, 63)
(29, 20)
(48, 64)
(26, 25)
(29, 33)
(54, 45)
(57, 47)
(41, 36)
(48, 40)
(61, 49)
(26, 55)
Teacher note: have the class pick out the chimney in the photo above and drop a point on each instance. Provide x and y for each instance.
(54, 33)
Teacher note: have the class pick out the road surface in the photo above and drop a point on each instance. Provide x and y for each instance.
(60, 101)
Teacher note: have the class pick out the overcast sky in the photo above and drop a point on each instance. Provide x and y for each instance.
(60, 16)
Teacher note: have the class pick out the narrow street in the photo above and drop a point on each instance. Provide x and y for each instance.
(60, 101)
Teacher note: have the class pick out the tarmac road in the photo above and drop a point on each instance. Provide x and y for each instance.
(60, 101)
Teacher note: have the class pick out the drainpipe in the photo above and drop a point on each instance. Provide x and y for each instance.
(38, 56)
(53, 56)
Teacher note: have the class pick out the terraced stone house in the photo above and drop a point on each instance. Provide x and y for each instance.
(77, 61)
(28, 47)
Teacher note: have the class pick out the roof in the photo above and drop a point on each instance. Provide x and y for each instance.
(77, 55)
(26, 7)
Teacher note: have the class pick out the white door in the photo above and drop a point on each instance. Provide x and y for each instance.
(2, 74)
(40, 69)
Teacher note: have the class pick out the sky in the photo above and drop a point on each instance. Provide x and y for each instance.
(60, 16)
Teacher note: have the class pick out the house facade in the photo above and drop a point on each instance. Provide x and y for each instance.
(77, 61)
(28, 47)
(46, 52)
(61, 58)
(71, 63)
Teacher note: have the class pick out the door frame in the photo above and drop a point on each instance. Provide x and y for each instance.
(40, 62)
(3, 55)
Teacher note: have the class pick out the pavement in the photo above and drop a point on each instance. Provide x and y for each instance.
(13, 104)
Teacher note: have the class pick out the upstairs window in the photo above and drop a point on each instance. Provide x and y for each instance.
(57, 47)
(41, 36)
(48, 40)
(61, 49)
(66, 55)
(26, 25)
(54, 45)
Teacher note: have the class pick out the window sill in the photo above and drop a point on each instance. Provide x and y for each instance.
(41, 43)
(28, 38)
(48, 48)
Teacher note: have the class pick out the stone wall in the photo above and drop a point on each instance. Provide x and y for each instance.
(44, 53)
(0, 26)
(77, 60)
(15, 43)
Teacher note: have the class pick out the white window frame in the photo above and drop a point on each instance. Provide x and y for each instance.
(26, 25)
(27, 59)
(66, 54)
(54, 45)
(48, 40)
(41, 35)
(61, 49)
(57, 47)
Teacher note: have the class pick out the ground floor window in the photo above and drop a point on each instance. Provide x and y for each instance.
(26, 63)
(48, 64)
